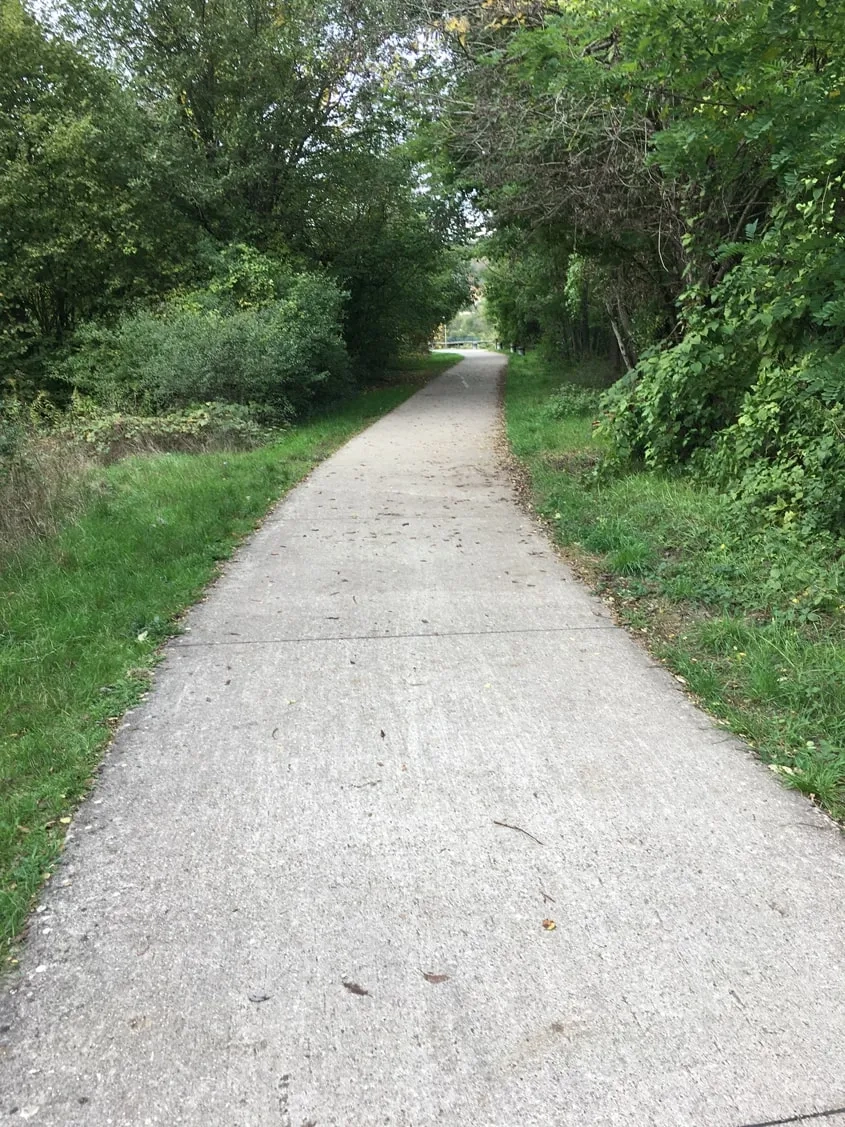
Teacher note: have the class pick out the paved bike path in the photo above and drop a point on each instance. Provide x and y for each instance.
(311, 885)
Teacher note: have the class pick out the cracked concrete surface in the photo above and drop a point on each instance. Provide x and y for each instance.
(288, 901)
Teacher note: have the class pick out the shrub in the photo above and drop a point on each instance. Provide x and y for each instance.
(784, 457)
(283, 354)
(754, 393)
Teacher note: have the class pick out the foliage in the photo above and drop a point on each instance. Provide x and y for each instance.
(538, 293)
(757, 381)
(260, 105)
(571, 399)
(144, 142)
(289, 132)
(385, 235)
(83, 228)
(280, 348)
(210, 426)
(784, 457)
(690, 157)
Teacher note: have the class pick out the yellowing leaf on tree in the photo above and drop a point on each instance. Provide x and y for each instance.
(458, 26)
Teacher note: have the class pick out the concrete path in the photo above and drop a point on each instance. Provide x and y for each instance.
(299, 895)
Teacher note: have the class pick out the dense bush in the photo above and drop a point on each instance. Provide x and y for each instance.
(784, 457)
(677, 171)
(283, 351)
(755, 391)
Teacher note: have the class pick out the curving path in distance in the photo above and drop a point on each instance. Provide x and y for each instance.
(310, 888)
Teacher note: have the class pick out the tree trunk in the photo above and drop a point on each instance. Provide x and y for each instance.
(624, 350)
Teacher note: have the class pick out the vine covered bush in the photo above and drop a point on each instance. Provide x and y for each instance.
(754, 393)
(684, 164)
(109, 435)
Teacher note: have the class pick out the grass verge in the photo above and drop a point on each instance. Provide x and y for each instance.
(747, 620)
(425, 365)
(83, 613)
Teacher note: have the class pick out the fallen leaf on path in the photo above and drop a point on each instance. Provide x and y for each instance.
(549, 925)
(65, 821)
(381, 733)
(436, 979)
(259, 998)
(354, 988)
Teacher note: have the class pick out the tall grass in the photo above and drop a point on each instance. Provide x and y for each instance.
(43, 483)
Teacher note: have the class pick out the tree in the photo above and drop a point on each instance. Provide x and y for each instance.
(255, 94)
(692, 156)
(384, 232)
(83, 226)
(163, 130)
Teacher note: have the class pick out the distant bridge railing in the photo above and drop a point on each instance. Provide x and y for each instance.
(464, 344)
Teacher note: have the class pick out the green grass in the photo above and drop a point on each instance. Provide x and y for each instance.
(82, 615)
(751, 620)
(427, 363)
